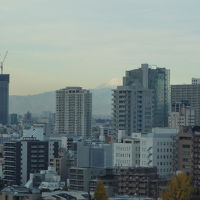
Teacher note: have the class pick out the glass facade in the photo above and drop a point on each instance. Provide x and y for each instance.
(157, 79)
(4, 97)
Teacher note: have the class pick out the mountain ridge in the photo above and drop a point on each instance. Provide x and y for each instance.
(46, 101)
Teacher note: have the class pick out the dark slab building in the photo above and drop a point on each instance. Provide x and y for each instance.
(4, 95)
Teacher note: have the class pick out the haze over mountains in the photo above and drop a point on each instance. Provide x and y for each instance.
(46, 101)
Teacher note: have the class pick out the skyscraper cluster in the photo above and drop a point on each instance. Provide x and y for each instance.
(153, 134)
(143, 101)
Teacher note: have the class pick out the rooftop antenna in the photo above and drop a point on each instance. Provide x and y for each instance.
(2, 62)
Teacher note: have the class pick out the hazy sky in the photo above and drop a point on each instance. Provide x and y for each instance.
(58, 43)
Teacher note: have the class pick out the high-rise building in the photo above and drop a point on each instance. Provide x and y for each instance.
(4, 96)
(73, 111)
(132, 109)
(26, 156)
(187, 93)
(157, 79)
(11, 168)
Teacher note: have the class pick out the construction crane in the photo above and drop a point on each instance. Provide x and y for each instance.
(2, 62)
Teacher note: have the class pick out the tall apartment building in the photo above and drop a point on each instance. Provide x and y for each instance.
(12, 163)
(73, 111)
(25, 157)
(132, 109)
(158, 80)
(4, 98)
(189, 93)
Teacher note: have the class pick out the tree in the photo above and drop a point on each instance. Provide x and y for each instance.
(100, 192)
(179, 188)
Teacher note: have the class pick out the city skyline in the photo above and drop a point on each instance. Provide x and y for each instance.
(100, 99)
(52, 45)
(111, 83)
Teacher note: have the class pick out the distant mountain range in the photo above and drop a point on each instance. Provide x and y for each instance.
(39, 103)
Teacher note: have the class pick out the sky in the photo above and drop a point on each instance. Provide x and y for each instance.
(57, 43)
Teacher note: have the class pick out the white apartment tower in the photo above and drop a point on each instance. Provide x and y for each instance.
(73, 112)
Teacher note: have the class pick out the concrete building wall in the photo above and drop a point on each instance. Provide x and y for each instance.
(24, 162)
(185, 117)
(185, 150)
(139, 182)
(132, 109)
(158, 80)
(122, 155)
(157, 150)
(73, 111)
(94, 155)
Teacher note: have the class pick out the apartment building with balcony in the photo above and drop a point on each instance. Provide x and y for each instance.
(132, 109)
(140, 182)
(73, 112)
(188, 153)
(24, 157)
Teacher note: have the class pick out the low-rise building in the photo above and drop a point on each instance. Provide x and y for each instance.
(65, 195)
(141, 182)
(157, 149)
(122, 155)
(18, 192)
(130, 198)
(46, 180)
(94, 155)
(188, 151)
(86, 179)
